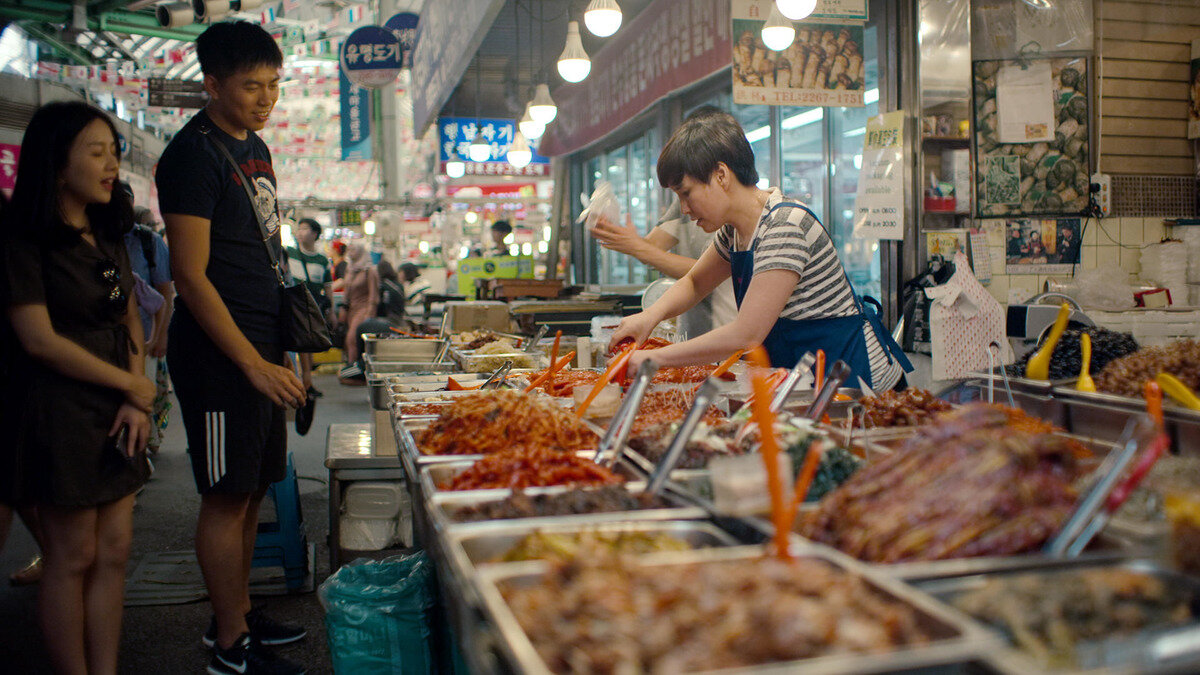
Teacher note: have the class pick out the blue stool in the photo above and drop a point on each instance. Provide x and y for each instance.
(282, 543)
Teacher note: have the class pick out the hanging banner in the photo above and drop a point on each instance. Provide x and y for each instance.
(356, 120)
(404, 27)
(9, 154)
(638, 67)
(879, 207)
(823, 66)
(449, 34)
(456, 133)
(371, 57)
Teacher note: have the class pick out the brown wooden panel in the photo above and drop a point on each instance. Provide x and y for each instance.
(1129, 126)
(1146, 70)
(1157, 90)
(1145, 51)
(1142, 107)
(1157, 12)
(1146, 166)
(1147, 32)
(1147, 146)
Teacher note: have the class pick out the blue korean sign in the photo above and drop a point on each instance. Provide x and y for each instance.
(404, 26)
(455, 135)
(356, 120)
(371, 57)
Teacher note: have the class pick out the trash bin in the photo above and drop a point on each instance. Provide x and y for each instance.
(375, 616)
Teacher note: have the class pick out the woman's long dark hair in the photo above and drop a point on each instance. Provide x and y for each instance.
(33, 212)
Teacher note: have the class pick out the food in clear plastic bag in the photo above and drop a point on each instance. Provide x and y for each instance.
(602, 204)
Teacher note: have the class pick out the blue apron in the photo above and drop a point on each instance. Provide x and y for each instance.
(841, 337)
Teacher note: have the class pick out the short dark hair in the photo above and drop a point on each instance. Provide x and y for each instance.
(502, 226)
(410, 271)
(386, 271)
(33, 213)
(230, 47)
(312, 225)
(705, 139)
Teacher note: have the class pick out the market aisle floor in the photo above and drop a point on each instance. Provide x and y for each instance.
(166, 639)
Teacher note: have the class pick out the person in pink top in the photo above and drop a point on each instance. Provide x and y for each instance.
(362, 294)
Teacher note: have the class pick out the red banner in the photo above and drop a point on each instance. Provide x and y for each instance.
(669, 45)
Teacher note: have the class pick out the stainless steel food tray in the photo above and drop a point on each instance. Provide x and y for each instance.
(435, 473)
(380, 366)
(958, 639)
(946, 590)
(401, 349)
(1104, 416)
(1035, 397)
(486, 363)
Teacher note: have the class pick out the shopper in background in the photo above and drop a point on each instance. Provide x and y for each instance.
(499, 231)
(307, 263)
(155, 294)
(231, 376)
(338, 263)
(391, 293)
(415, 287)
(75, 402)
(362, 298)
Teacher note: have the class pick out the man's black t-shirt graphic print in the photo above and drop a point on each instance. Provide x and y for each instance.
(194, 179)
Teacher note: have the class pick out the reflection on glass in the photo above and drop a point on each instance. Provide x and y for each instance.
(756, 122)
(617, 166)
(804, 168)
(638, 202)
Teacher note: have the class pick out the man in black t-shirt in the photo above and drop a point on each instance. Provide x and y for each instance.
(224, 348)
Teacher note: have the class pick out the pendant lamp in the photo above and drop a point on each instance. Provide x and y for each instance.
(603, 17)
(796, 9)
(574, 64)
(479, 150)
(519, 154)
(778, 32)
(542, 108)
(530, 128)
(456, 168)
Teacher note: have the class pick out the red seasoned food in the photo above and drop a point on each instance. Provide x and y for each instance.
(660, 407)
(909, 408)
(490, 421)
(564, 381)
(970, 485)
(688, 374)
(422, 408)
(524, 467)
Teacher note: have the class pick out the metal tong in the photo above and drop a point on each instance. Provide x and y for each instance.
(499, 377)
(993, 355)
(442, 351)
(703, 399)
(1096, 507)
(622, 422)
(537, 337)
(837, 375)
(793, 378)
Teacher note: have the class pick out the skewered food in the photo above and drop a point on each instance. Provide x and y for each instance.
(909, 408)
(970, 485)
(525, 467)
(563, 546)
(489, 421)
(1067, 360)
(607, 499)
(610, 615)
(1047, 615)
(1125, 376)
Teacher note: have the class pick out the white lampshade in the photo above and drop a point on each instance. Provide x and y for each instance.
(455, 169)
(603, 17)
(778, 33)
(796, 9)
(479, 150)
(542, 108)
(519, 154)
(369, 227)
(574, 64)
(530, 128)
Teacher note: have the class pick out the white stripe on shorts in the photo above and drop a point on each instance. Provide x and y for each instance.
(215, 447)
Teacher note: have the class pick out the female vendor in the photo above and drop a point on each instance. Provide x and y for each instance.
(793, 294)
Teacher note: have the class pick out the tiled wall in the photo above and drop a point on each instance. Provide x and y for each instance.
(1110, 242)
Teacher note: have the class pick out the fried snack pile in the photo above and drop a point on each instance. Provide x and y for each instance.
(1125, 376)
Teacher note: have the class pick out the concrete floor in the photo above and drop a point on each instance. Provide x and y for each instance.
(166, 639)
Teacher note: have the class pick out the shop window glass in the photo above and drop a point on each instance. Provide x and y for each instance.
(756, 122)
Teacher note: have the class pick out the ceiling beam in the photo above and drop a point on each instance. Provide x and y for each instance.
(38, 32)
(138, 23)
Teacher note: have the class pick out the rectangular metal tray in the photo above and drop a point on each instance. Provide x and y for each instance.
(481, 363)
(381, 366)
(1105, 415)
(946, 590)
(401, 349)
(434, 473)
(959, 638)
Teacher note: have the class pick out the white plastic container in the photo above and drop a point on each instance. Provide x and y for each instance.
(367, 534)
(374, 500)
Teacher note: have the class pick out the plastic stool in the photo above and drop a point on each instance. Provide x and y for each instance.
(282, 543)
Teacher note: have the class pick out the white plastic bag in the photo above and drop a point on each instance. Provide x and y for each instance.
(1166, 264)
(1102, 288)
(603, 204)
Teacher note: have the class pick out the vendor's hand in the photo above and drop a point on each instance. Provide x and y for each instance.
(277, 383)
(140, 392)
(158, 348)
(636, 359)
(636, 327)
(138, 423)
(612, 236)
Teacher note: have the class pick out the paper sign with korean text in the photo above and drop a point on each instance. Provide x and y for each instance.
(879, 207)
(455, 135)
(823, 66)
(371, 57)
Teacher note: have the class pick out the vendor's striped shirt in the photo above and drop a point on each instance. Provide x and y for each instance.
(792, 239)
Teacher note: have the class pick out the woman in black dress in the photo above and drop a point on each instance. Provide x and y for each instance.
(75, 399)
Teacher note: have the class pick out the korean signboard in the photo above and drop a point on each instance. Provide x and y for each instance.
(404, 26)
(447, 38)
(356, 121)
(455, 135)
(879, 208)
(170, 93)
(370, 57)
(823, 66)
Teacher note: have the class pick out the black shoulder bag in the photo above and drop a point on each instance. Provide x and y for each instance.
(303, 327)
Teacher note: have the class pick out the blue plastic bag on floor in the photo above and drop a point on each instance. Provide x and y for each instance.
(375, 616)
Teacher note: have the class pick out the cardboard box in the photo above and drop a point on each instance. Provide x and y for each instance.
(475, 314)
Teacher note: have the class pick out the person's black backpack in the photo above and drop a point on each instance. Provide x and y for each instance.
(146, 237)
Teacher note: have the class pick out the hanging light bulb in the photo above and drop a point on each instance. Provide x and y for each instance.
(530, 127)
(777, 33)
(574, 64)
(542, 108)
(603, 17)
(519, 154)
(796, 9)
(479, 150)
(456, 168)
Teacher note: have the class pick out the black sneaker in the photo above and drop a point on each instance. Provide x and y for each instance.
(248, 657)
(265, 630)
(315, 393)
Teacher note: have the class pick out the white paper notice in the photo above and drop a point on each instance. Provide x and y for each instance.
(981, 257)
(1025, 103)
(879, 208)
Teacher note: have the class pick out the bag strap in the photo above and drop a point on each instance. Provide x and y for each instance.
(262, 226)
